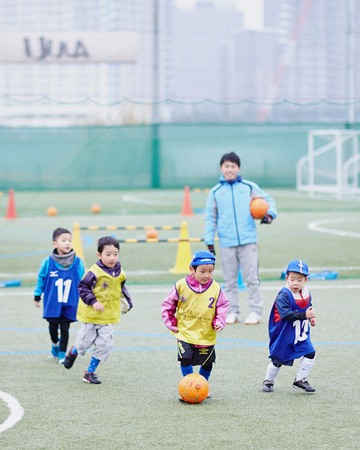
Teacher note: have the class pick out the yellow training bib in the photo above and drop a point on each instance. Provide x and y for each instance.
(108, 292)
(195, 314)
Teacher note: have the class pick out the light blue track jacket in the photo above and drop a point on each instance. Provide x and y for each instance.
(228, 211)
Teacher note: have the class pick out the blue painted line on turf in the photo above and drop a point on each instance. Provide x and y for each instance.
(237, 342)
(86, 241)
(137, 349)
(129, 349)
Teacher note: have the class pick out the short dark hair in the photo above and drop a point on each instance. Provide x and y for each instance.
(107, 240)
(231, 157)
(58, 232)
(195, 267)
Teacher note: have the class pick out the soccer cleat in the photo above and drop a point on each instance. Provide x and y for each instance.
(55, 349)
(69, 359)
(253, 319)
(91, 377)
(232, 318)
(304, 385)
(268, 386)
(62, 356)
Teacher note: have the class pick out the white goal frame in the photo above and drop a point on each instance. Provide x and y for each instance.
(343, 181)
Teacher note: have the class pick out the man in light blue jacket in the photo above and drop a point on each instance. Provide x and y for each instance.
(228, 212)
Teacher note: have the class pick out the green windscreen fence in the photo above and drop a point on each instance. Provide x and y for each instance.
(148, 156)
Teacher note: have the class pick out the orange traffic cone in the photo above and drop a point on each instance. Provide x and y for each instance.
(187, 209)
(11, 210)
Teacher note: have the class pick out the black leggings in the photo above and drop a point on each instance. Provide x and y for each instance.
(64, 332)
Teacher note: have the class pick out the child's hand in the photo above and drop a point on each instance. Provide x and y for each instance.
(310, 313)
(98, 307)
(37, 304)
(217, 328)
(312, 322)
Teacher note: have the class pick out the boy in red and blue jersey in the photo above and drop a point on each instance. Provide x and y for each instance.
(289, 329)
(58, 280)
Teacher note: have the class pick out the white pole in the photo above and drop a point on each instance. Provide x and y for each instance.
(338, 165)
(352, 61)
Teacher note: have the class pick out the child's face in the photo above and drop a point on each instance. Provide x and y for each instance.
(229, 170)
(296, 281)
(109, 255)
(203, 274)
(63, 243)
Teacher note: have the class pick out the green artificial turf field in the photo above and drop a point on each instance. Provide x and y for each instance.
(136, 407)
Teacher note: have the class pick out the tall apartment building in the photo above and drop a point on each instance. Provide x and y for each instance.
(313, 55)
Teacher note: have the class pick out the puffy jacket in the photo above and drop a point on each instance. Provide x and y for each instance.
(228, 211)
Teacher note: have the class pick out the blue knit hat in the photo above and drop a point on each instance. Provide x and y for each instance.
(202, 257)
(296, 265)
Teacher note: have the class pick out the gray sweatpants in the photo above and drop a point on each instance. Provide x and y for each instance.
(247, 257)
(100, 335)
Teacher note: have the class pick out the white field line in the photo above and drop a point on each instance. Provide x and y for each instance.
(142, 201)
(16, 411)
(316, 226)
(8, 293)
(164, 272)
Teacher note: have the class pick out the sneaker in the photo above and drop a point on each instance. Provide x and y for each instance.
(69, 359)
(268, 386)
(232, 318)
(303, 384)
(55, 349)
(91, 377)
(62, 356)
(253, 319)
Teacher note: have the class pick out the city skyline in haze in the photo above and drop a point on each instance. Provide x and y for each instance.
(253, 10)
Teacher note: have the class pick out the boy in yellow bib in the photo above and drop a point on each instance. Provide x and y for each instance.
(104, 295)
(194, 311)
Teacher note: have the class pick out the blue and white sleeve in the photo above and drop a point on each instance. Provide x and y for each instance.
(43, 272)
(81, 269)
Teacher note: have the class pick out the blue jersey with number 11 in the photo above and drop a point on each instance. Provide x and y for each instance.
(61, 295)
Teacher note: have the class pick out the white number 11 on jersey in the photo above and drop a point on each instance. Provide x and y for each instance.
(63, 294)
(301, 329)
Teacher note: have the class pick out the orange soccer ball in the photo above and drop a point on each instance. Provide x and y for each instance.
(152, 234)
(51, 211)
(258, 208)
(193, 388)
(95, 209)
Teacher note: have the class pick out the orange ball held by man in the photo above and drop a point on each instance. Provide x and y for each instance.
(258, 208)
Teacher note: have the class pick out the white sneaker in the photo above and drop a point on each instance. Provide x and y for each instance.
(232, 318)
(253, 319)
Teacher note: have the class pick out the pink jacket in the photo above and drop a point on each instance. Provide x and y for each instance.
(168, 308)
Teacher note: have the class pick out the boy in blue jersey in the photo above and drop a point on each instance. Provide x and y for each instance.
(228, 212)
(289, 329)
(103, 297)
(194, 311)
(58, 280)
